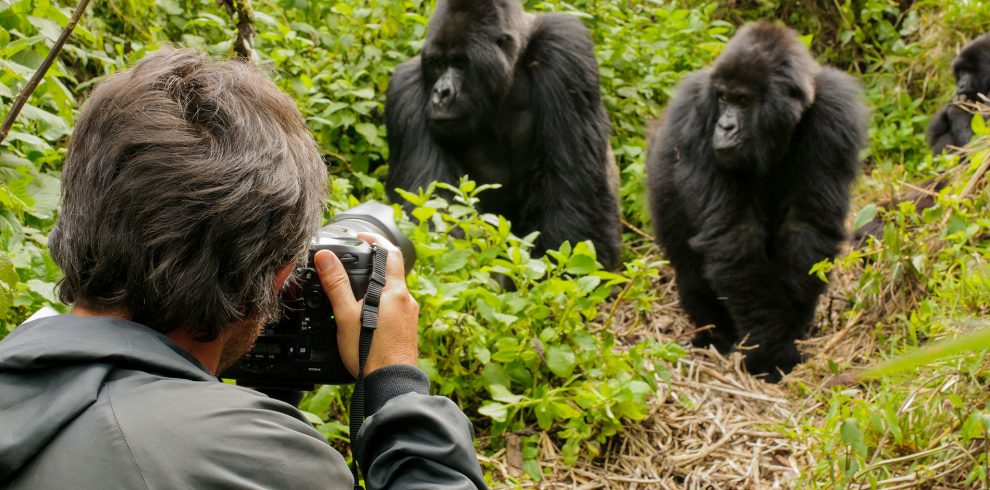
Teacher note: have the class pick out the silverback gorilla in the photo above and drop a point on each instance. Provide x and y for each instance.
(510, 98)
(749, 174)
(952, 125)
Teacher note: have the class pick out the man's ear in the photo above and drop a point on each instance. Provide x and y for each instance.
(283, 274)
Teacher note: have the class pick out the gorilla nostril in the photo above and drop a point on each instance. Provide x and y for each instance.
(442, 95)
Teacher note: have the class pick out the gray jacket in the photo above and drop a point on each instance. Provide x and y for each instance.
(101, 403)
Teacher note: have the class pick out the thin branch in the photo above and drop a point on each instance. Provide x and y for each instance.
(39, 75)
(243, 43)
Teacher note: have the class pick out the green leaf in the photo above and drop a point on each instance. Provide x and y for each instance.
(865, 216)
(44, 289)
(8, 275)
(497, 411)
(979, 125)
(544, 414)
(532, 468)
(369, 132)
(561, 360)
(6, 299)
(580, 265)
(364, 93)
(502, 394)
(489, 314)
(852, 436)
(312, 418)
(45, 190)
(453, 261)
(973, 341)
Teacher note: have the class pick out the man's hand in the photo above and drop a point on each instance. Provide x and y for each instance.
(396, 340)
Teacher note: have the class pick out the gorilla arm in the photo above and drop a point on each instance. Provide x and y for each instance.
(569, 195)
(415, 158)
(939, 132)
(828, 142)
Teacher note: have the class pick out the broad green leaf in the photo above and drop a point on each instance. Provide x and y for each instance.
(312, 418)
(368, 131)
(496, 411)
(544, 414)
(865, 216)
(44, 289)
(979, 125)
(852, 436)
(560, 360)
(8, 275)
(580, 265)
(453, 261)
(502, 394)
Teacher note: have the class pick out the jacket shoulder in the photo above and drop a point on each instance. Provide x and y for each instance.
(196, 434)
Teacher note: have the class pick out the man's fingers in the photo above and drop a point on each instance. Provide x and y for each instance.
(334, 280)
(394, 267)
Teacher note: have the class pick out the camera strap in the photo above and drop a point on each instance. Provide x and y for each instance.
(369, 322)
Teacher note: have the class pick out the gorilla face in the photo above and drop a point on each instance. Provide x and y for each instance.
(972, 69)
(731, 138)
(759, 89)
(468, 62)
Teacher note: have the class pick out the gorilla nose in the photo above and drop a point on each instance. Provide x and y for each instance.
(727, 126)
(442, 95)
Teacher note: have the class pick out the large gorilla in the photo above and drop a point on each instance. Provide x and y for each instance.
(749, 177)
(951, 126)
(510, 98)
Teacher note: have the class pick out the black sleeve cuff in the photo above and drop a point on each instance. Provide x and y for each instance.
(391, 381)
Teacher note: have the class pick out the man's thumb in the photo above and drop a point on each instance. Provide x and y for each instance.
(334, 280)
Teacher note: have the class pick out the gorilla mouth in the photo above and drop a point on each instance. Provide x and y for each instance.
(726, 143)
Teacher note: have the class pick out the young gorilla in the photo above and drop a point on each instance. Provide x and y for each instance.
(951, 126)
(510, 98)
(749, 176)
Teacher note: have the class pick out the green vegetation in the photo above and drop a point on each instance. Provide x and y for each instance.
(552, 358)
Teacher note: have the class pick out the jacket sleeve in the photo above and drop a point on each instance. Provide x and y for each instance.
(413, 440)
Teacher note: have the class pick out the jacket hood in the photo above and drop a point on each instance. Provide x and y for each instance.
(52, 369)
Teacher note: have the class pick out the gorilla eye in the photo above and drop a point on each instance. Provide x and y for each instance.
(504, 40)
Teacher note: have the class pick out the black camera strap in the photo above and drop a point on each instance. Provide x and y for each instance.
(369, 322)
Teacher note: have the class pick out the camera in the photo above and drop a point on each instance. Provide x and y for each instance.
(300, 349)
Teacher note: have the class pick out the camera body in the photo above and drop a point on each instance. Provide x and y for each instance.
(300, 349)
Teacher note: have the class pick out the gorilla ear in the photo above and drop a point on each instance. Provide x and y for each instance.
(804, 94)
(504, 41)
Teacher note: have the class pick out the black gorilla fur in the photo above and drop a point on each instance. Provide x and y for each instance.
(510, 98)
(951, 126)
(749, 174)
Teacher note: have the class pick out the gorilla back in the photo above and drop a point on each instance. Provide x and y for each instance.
(749, 175)
(509, 98)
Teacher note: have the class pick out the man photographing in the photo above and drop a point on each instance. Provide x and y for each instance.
(191, 189)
